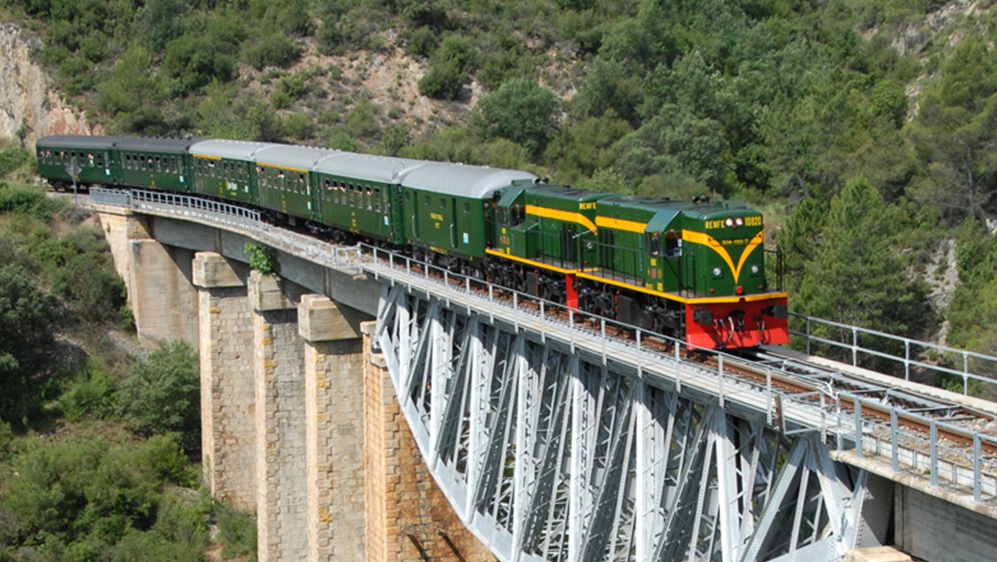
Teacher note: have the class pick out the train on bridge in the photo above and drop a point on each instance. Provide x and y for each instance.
(693, 270)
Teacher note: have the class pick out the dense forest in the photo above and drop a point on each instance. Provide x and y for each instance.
(866, 130)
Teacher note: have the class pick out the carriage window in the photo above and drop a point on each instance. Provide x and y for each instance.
(368, 199)
(100, 159)
(443, 204)
(427, 201)
(377, 199)
(467, 207)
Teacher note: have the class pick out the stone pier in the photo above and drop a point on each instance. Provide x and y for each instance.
(333, 429)
(299, 418)
(228, 397)
(278, 365)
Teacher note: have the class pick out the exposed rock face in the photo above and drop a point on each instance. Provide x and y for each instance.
(28, 108)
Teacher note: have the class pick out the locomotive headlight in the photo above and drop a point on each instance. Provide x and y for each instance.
(729, 222)
(755, 269)
(739, 221)
(717, 272)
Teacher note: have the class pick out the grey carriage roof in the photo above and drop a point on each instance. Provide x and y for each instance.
(297, 157)
(383, 169)
(462, 180)
(77, 141)
(147, 144)
(236, 150)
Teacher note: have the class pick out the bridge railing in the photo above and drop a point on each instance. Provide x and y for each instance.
(968, 372)
(823, 410)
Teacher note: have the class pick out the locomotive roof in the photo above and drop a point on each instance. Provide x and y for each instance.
(297, 157)
(234, 149)
(149, 144)
(383, 169)
(462, 180)
(77, 141)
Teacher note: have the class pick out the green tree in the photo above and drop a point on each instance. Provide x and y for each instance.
(858, 275)
(522, 111)
(131, 95)
(162, 395)
(676, 142)
(585, 147)
(161, 21)
(449, 68)
(25, 336)
(956, 134)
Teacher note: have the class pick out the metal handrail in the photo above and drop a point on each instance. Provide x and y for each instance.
(910, 346)
(847, 429)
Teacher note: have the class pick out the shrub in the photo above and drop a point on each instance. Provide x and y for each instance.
(273, 50)
(449, 68)
(91, 394)
(162, 395)
(522, 111)
(263, 259)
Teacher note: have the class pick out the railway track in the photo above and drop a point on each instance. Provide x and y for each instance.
(793, 374)
(788, 373)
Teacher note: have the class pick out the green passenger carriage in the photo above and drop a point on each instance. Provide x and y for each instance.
(90, 160)
(283, 178)
(448, 208)
(155, 163)
(227, 169)
(359, 194)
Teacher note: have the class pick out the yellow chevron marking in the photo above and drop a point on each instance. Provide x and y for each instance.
(712, 243)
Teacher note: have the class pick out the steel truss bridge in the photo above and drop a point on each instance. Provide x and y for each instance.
(555, 441)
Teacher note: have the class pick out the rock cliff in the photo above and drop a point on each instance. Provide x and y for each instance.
(29, 109)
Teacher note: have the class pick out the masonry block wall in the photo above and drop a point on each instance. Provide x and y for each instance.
(334, 430)
(299, 418)
(228, 392)
(408, 517)
(281, 504)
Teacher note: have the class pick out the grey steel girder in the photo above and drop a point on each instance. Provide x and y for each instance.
(554, 455)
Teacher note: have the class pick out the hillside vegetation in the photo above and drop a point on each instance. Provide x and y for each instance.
(865, 129)
(98, 446)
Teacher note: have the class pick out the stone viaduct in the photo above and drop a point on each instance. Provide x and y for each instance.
(299, 418)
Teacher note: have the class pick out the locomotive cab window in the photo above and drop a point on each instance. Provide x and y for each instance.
(673, 245)
(518, 215)
(653, 244)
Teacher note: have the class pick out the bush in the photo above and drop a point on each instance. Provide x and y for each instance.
(102, 499)
(236, 532)
(26, 201)
(522, 111)
(273, 50)
(12, 160)
(449, 68)
(25, 339)
(91, 394)
(162, 396)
